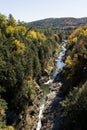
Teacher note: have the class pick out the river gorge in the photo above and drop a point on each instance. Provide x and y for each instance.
(49, 105)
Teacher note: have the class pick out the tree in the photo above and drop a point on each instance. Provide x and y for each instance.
(11, 20)
(75, 108)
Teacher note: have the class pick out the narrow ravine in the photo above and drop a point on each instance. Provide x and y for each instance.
(52, 89)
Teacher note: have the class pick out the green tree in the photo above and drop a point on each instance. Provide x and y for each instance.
(75, 108)
(11, 20)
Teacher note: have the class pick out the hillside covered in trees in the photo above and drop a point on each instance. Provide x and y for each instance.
(64, 26)
(58, 22)
(24, 55)
(74, 107)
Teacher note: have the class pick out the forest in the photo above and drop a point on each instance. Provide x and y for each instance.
(24, 55)
(74, 106)
(27, 53)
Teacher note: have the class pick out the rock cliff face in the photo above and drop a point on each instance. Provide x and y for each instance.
(29, 117)
(51, 116)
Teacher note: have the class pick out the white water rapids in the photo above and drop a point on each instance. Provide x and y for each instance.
(40, 117)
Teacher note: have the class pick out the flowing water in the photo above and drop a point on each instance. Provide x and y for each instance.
(59, 66)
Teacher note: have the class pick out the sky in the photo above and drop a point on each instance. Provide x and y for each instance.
(32, 10)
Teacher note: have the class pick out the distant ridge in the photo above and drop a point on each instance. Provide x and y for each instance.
(58, 22)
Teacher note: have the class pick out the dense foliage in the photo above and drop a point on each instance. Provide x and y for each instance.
(24, 54)
(75, 104)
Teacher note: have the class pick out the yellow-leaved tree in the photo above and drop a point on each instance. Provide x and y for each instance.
(20, 47)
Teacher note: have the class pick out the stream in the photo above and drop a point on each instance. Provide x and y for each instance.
(59, 66)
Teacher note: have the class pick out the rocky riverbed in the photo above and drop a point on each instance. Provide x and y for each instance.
(52, 110)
